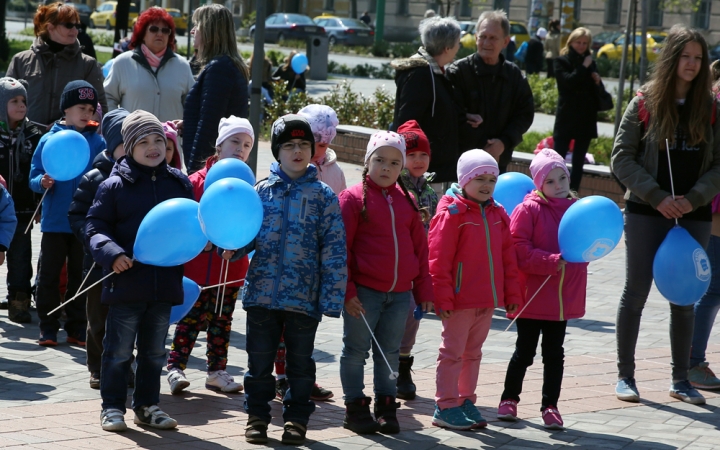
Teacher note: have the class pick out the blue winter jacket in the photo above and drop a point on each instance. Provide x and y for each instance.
(8, 220)
(57, 201)
(300, 252)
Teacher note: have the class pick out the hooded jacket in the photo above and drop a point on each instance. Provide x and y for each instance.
(330, 173)
(424, 194)
(16, 152)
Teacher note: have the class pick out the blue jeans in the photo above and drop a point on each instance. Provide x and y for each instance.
(707, 308)
(147, 324)
(19, 263)
(264, 329)
(386, 313)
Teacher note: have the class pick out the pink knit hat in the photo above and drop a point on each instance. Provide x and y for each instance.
(474, 163)
(171, 134)
(385, 139)
(543, 163)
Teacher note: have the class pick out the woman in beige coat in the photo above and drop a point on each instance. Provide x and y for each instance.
(552, 46)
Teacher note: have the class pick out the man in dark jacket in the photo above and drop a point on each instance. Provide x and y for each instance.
(535, 55)
(494, 94)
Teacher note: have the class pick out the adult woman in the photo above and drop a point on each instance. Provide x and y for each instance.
(151, 77)
(54, 60)
(221, 89)
(676, 105)
(576, 117)
(552, 46)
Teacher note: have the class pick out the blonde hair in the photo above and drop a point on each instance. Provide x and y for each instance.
(576, 34)
(215, 25)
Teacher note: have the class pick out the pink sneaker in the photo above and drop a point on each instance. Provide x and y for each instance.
(507, 410)
(552, 419)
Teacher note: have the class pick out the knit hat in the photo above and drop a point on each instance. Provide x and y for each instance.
(543, 163)
(415, 138)
(474, 163)
(385, 139)
(541, 33)
(137, 125)
(171, 134)
(76, 93)
(112, 127)
(10, 88)
(288, 127)
(233, 125)
(323, 121)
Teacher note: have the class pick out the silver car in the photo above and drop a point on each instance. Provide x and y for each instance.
(346, 31)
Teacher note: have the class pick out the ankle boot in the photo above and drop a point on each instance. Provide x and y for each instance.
(19, 308)
(358, 418)
(405, 386)
(385, 414)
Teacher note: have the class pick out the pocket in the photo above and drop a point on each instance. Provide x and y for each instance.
(258, 316)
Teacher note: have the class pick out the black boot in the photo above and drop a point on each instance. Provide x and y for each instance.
(385, 414)
(405, 386)
(19, 308)
(358, 418)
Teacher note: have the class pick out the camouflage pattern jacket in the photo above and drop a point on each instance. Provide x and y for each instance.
(424, 194)
(300, 252)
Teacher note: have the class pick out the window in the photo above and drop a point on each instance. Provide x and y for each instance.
(372, 6)
(701, 17)
(466, 8)
(329, 5)
(655, 13)
(613, 9)
(504, 5)
(403, 8)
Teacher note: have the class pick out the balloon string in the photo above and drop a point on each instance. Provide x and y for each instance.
(376, 342)
(36, 210)
(82, 292)
(224, 285)
(86, 276)
(220, 284)
(217, 295)
(672, 185)
(526, 304)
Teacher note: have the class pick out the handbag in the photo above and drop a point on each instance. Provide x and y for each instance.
(604, 99)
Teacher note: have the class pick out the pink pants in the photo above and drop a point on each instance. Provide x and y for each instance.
(458, 363)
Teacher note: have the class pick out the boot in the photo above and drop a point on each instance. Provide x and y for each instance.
(385, 414)
(358, 418)
(405, 386)
(18, 309)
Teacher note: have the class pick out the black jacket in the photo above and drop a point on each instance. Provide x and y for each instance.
(16, 152)
(535, 56)
(576, 115)
(502, 97)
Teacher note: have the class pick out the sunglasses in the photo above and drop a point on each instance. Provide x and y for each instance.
(70, 25)
(155, 29)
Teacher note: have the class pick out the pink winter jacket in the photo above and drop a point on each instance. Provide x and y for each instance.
(330, 173)
(534, 226)
(472, 257)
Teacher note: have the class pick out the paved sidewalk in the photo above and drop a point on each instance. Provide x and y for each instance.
(45, 401)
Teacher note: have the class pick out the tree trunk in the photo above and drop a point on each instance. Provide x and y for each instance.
(4, 46)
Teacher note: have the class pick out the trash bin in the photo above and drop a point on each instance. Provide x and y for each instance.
(318, 48)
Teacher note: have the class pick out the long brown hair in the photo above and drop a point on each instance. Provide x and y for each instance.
(217, 31)
(659, 93)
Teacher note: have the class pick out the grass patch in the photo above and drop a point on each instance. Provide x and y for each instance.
(15, 47)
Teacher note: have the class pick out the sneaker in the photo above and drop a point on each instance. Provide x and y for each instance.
(95, 380)
(112, 420)
(176, 379)
(452, 418)
(153, 416)
(472, 413)
(48, 338)
(551, 418)
(77, 338)
(256, 431)
(294, 434)
(320, 394)
(221, 381)
(507, 410)
(281, 387)
(702, 377)
(626, 390)
(683, 390)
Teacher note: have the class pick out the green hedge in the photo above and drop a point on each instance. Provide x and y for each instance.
(600, 147)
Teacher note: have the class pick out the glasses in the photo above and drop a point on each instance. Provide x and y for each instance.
(70, 25)
(290, 146)
(155, 29)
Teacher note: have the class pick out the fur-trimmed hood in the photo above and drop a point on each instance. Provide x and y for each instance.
(409, 63)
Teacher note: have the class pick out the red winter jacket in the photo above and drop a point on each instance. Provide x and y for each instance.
(472, 257)
(389, 252)
(534, 225)
(204, 269)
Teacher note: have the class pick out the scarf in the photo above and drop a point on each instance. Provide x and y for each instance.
(154, 59)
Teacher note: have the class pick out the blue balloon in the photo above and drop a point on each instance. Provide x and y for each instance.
(66, 155)
(511, 189)
(681, 268)
(229, 168)
(107, 66)
(170, 234)
(299, 63)
(590, 229)
(191, 292)
(231, 213)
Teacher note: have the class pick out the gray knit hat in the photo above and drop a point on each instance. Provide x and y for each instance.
(137, 125)
(9, 88)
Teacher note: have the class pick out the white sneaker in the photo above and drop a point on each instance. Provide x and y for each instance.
(112, 420)
(221, 381)
(177, 380)
(153, 416)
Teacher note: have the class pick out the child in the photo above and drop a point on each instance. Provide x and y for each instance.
(387, 258)
(18, 140)
(58, 244)
(534, 227)
(474, 270)
(297, 275)
(8, 221)
(173, 154)
(235, 140)
(139, 296)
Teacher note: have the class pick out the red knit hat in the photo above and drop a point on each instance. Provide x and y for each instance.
(415, 139)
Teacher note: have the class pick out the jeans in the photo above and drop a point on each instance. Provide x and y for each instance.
(643, 236)
(264, 329)
(412, 326)
(562, 146)
(707, 308)
(386, 313)
(19, 263)
(96, 316)
(144, 324)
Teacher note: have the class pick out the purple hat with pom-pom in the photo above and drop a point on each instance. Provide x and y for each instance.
(385, 139)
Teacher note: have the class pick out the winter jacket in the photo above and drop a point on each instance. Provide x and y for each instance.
(552, 45)
(424, 194)
(500, 94)
(120, 205)
(300, 257)
(16, 151)
(535, 56)
(288, 74)
(8, 220)
(48, 73)
(204, 269)
(427, 96)
(577, 107)
(57, 202)
(634, 161)
(133, 84)
(330, 173)
(220, 91)
(472, 257)
(389, 251)
(534, 226)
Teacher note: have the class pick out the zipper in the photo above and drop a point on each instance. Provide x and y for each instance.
(395, 239)
(154, 178)
(562, 278)
(490, 258)
(283, 233)
(11, 181)
(458, 278)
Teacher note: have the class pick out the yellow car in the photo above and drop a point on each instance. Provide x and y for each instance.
(180, 19)
(104, 15)
(517, 29)
(614, 49)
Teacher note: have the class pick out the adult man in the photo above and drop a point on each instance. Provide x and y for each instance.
(535, 56)
(496, 96)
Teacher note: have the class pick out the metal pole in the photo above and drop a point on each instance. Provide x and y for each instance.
(643, 49)
(623, 62)
(258, 63)
(190, 25)
(380, 21)
(633, 64)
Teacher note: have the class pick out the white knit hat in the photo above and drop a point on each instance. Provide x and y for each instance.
(233, 125)
(385, 139)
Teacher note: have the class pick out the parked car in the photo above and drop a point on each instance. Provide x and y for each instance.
(346, 31)
(282, 26)
(602, 38)
(105, 14)
(517, 29)
(84, 11)
(715, 52)
(180, 19)
(613, 50)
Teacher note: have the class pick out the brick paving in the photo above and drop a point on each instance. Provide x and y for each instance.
(45, 400)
